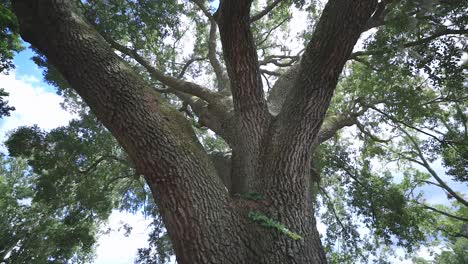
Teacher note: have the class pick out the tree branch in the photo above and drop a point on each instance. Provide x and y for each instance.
(265, 11)
(202, 7)
(396, 121)
(187, 65)
(318, 72)
(378, 18)
(223, 79)
(98, 161)
(334, 123)
(271, 30)
(370, 135)
(180, 85)
(250, 107)
(298, 124)
(217, 118)
(330, 205)
(442, 212)
(264, 71)
(412, 43)
(276, 60)
(428, 167)
(436, 35)
(432, 172)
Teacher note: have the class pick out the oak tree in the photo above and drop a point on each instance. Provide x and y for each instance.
(256, 204)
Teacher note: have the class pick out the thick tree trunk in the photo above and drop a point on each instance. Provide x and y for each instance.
(272, 155)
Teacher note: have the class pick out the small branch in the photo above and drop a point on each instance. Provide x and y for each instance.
(363, 185)
(396, 121)
(271, 30)
(266, 80)
(363, 61)
(330, 204)
(370, 135)
(221, 75)
(378, 18)
(452, 233)
(431, 183)
(436, 35)
(425, 40)
(111, 181)
(276, 60)
(202, 7)
(263, 71)
(98, 161)
(265, 11)
(187, 65)
(426, 165)
(442, 212)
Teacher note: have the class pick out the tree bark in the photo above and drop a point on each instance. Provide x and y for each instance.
(250, 107)
(271, 156)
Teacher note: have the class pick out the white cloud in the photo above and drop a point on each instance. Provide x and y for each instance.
(33, 103)
(31, 79)
(115, 248)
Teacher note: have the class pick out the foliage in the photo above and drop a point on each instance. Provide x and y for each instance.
(159, 250)
(9, 37)
(5, 109)
(80, 175)
(457, 254)
(267, 222)
(9, 44)
(34, 230)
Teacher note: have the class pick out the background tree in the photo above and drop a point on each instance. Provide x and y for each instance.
(404, 93)
(31, 230)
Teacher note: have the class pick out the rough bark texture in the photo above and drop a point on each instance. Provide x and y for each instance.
(271, 155)
(250, 105)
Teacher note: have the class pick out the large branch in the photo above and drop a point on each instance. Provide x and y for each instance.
(214, 115)
(158, 139)
(333, 124)
(304, 109)
(177, 84)
(241, 59)
(250, 106)
(336, 34)
(219, 119)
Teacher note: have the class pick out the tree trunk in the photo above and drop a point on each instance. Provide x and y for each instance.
(271, 155)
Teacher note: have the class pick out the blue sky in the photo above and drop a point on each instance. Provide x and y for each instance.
(24, 66)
